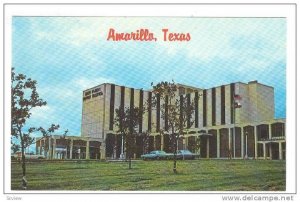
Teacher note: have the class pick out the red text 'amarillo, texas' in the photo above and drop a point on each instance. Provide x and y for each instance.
(146, 35)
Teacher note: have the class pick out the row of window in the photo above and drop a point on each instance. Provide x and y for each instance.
(277, 130)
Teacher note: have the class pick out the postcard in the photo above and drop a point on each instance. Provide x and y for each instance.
(151, 99)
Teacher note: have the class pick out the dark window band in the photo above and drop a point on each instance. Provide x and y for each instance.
(196, 109)
(112, 107)
(149, 111)
(204, 108)
(213, 105)
(231, 102)
(166, 114)
(122, 102)
(181, 111)
(141, 111)
(157, 113)
(222, 105)
(131, 107)
(188, 97)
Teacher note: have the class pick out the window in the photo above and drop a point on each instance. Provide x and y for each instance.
(278, 129)
(97, 94)
(263, 132)
(96, 90)
(86, 98)
(87, 93)
(181, 90)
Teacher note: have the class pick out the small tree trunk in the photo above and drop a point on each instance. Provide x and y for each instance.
(129, 162)
(174, 155)
(128, 149)
(24, 181)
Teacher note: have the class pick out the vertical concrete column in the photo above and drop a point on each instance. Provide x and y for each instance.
(255, 142)
(54, 148)
(207, 147)
(280, 150)
(49, 143)
(162, 142)
(246, 145)
(41, 147)
(242, 143)
(218, 143)
(36, 147)
(102, 150)
(270, 131)
(87, 150)
(71, 149)
(264, 148)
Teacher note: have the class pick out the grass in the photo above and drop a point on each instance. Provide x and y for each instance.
(196, 175)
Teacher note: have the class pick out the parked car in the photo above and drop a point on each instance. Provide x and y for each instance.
(34, 156)
(157, 154)
(185, 154)
(18, 156)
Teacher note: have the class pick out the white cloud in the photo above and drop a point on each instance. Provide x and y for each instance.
(42, 113)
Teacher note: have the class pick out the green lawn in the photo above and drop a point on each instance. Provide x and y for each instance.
(196, 175)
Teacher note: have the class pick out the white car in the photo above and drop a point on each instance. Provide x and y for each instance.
(18, 156)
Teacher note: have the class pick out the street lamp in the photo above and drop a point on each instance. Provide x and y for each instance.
(79, 152)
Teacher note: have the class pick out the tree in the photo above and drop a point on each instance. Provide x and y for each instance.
(145, 139)
(24, 97)
(127, 121)
(175, 110)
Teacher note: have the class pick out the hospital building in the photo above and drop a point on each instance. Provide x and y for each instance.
(233, 120)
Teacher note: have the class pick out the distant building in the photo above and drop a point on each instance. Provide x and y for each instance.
(234, 120)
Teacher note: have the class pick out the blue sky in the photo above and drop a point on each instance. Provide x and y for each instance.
(69, 54)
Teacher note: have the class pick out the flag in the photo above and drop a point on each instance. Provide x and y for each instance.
(237, 97)
(237, 105)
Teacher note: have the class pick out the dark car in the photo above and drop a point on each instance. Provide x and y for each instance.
(185, 154)
(157, 154)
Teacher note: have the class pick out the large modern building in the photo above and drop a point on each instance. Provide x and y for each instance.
(234, 120)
